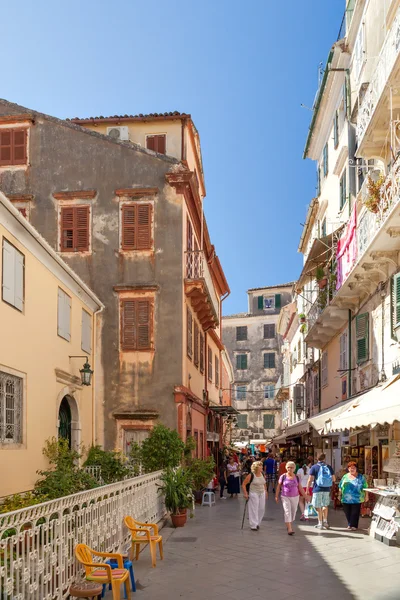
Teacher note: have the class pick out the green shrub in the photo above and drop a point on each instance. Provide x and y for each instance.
(162, 449)
(113, 465)
(65, 477)
(176, 489)
(201, 471)
(18, 501)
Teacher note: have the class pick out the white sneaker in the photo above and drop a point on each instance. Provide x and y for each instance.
(222, 498)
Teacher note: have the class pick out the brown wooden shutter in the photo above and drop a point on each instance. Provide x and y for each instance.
(143, 236)
(217, 371)
(67, 229)
(210, 364)
(189, 335)
(128, 325)
(196, 345)
(201, 353)
(5, 147)
(81, 241)
(151, 142)
(128, 227)
(19, 146)
(161, 144)
(143, 324)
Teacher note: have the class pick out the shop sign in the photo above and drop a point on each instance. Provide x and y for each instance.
(364, 438)
(353, 439)
(212, 437)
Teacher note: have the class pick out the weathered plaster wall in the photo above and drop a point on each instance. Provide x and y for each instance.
(63, 158)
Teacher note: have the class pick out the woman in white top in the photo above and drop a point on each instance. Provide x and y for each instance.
(303, 474)
(255, 491)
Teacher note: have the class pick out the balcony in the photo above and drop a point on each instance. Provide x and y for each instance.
(377, 233)
(199, 287)
(376, 104)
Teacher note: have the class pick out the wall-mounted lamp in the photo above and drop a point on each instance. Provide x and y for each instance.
(86, 372)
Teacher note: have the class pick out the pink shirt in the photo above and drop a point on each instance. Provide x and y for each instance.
(290, 487)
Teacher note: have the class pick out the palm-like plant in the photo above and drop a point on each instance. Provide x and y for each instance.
(176, 489)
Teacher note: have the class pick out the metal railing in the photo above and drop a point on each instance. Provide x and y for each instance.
(387, 58)
(37, 544)
(197, 268)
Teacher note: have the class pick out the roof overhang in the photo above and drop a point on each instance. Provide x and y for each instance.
(318, 255)
(310, 218)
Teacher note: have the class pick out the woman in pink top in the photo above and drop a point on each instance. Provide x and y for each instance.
(291, 488)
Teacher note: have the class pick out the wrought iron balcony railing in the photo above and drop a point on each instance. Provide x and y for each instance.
(386, 61)
(197, 269)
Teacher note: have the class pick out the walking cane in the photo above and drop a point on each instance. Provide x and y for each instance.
(244, 513)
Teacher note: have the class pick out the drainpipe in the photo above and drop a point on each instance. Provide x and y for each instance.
(382, 376)
(349, 354)
(94, 355)
(319, 383)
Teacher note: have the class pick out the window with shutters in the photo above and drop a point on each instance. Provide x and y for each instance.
(362, 337)
(241, 421)
(269, 421)
(75, 228)
(269, 391)
(64, 315)
(343, 190)
(210, 365)
(189, 333)
(323, 228)
(344, 365)
(325, 165)
(11, 408)
(269, 360)
(201, 352)
(269, 331)
(196, 344)
(241, 362)
(86, 344)
(316, 389)
(13, 276)
(216, 371)
(336, 130)
(241, 333)
(158, 143)
(241, 392)
(358, 53)
(13, 147)
(318, 186)
(136, 324)
(324, 369)
(136, 226)
(395, 304)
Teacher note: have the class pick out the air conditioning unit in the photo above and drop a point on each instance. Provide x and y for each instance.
(118, 133)
(257, 436)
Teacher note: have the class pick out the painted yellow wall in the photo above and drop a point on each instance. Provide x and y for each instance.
(31, 349)
(139, 129)
(332, 393)
(213, 390)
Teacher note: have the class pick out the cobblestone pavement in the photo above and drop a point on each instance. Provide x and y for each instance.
(211, 557)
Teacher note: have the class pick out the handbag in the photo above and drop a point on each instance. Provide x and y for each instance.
(310, 512)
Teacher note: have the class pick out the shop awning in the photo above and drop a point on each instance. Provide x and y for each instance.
(279, 439)
(297, 429)
(321, 422)
(223, 410)
(378, 406)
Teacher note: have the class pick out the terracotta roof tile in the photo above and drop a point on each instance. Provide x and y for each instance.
(164, 115)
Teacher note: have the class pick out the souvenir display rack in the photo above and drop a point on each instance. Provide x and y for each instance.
(386, 517)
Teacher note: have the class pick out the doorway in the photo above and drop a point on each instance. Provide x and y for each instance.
(65, 421)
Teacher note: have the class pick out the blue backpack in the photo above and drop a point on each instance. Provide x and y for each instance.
(324, 477)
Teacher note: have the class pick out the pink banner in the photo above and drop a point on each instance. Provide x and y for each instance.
(346, 255)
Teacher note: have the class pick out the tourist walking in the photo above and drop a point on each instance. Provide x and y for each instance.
(270, 471)
(302, 475)
(323, 476)
(255, 491)
(223, 479)
(233, 477)
(352, 487)
(291, 490)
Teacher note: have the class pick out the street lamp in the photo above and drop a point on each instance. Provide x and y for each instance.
(86, 372)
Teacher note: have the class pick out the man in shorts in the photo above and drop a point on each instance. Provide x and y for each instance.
(323, 477)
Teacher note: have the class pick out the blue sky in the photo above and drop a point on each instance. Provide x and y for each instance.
(241, 69)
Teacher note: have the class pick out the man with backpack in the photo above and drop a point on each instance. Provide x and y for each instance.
(323, 477)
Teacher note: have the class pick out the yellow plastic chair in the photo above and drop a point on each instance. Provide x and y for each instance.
(144, 533)
(101, 572)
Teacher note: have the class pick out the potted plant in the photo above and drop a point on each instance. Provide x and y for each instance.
(201, 471)
(303, 328)
(177, 491)
(302, 318)
(374, 193)
(321, 278)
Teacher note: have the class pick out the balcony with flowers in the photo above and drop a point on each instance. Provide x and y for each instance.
(366, 254)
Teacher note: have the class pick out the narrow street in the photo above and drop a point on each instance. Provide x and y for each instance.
(212, 558)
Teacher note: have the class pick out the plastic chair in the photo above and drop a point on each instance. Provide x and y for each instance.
(127, 565)
(208, 498)
(102, 572)
(141, 534)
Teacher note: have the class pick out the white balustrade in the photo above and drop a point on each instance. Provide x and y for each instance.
(197, 268)
(37, 561)
(386, 61)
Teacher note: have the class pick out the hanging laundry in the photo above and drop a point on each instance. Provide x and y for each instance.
(347, 250)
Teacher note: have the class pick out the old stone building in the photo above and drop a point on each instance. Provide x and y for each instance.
(254, 348)
(128, 219)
